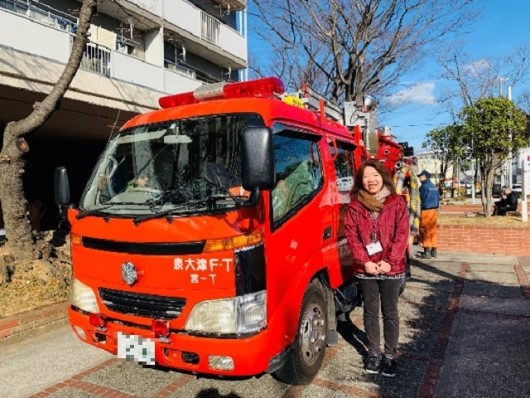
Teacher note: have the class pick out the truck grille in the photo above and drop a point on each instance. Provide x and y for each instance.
(145, 305)
(146, 248)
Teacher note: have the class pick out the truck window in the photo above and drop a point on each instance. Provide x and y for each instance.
(159, 167)
(298, 174)
(344, 167)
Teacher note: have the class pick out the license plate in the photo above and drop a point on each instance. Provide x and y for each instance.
(136, 348)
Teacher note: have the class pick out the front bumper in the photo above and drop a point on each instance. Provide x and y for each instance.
(181, 351)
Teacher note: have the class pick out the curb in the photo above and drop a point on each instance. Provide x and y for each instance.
(13, 327)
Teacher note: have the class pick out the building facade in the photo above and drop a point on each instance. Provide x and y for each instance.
(139, 50)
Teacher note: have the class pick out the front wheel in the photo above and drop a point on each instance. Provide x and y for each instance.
(305, 358)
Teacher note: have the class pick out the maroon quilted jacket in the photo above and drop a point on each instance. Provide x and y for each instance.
(392, 228)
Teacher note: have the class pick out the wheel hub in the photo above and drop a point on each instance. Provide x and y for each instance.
(312, 334)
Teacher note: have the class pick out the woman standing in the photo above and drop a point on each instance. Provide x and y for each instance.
(377, 230)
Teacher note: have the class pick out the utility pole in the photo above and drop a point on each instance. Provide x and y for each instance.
(510, 177)
(501, 82)
(474, 165)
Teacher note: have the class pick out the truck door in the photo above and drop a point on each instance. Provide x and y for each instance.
(344, 167)
(299, 223)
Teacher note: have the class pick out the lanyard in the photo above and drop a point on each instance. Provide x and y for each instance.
(375, 219)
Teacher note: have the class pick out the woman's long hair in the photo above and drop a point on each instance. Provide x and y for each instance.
(385, 174)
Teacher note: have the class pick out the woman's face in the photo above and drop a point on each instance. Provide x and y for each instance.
(372, 180)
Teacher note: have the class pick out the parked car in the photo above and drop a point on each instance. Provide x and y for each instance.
(517, 188)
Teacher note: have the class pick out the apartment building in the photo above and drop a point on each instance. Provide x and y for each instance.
(139, 50)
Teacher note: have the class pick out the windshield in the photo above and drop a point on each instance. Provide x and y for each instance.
(160, 167)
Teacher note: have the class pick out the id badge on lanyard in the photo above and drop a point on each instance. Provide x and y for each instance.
(374, 246)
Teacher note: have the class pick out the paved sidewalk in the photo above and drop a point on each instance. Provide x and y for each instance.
(486, 333)
(465, 332)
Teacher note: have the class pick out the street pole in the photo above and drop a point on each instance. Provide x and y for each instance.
(474, 164)
(510, 177)
(524, 203)
(473, 187)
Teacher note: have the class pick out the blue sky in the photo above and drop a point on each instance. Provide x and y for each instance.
(503, 27)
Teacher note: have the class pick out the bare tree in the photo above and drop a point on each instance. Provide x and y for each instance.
(14, 204)
(480, 78)
(476, 79)
(347, 48)
(524, 102)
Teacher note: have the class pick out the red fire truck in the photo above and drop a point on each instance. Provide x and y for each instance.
(210, 238)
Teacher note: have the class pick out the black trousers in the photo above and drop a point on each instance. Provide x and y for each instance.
(501, 211)
(381, 294)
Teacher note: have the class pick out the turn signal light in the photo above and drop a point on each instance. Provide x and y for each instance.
(76, 239)
(234, 242)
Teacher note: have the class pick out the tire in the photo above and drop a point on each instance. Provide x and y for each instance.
(305, 358)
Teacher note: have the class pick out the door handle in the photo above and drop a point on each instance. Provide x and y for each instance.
(327, 233)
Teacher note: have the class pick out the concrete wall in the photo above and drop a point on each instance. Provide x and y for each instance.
(31, 36)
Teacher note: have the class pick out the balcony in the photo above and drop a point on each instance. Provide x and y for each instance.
(232, 5)
(205, 35)
(34, 59)
(42, 13)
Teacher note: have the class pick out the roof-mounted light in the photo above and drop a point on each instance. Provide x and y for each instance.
(177, 100)
(266, 87)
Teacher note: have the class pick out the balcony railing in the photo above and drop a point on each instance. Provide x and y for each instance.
(210, 28)
(96, 58)
(181, 70)
(42, 13)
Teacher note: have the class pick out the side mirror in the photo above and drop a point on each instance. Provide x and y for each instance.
(61, 186)
(257, 159)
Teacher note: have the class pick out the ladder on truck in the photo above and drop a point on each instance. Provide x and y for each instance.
(310, 99)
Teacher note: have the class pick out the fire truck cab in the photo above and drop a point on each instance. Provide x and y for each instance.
(209, 238)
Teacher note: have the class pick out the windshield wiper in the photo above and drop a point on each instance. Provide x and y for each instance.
(190, 205)
(93, 212)
(99, 211)
(175, 197)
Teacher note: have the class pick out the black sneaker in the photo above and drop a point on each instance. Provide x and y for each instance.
(388, 366)
(373, 364)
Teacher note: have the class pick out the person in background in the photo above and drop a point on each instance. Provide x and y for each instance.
(377, 230)
(430, 202)
(407, 185)
(141, 181)
(508, 202)
(501, 202)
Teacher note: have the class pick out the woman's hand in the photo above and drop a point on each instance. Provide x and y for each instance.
(384, 267)
(371, 267)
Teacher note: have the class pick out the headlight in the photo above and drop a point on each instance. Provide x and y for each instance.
(238, 315)
(83, 297)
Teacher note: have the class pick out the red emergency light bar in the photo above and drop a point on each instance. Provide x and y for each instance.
(265, 87)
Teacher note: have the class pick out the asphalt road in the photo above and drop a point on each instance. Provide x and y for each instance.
(465, 332)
